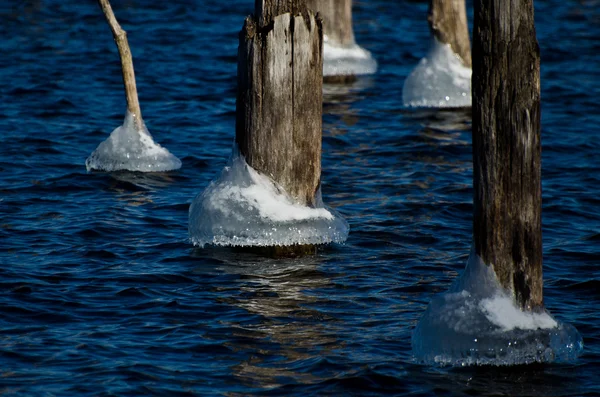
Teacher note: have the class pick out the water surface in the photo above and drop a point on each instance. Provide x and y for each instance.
(101, 292)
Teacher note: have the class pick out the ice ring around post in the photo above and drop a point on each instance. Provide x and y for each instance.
(352, 60)
(243, 207)
(477, 323)
(439, 80)
(131, 149)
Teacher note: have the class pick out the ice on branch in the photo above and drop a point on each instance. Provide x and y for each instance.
(347, 60)
(477, 323)
(439, 80)
(243, 207)
(132, 149)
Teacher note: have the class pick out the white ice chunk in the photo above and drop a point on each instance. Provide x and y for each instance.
(128, 148)
(439, 80)
(347, 60)
(501, 310)
(477, 323)
(243, 207)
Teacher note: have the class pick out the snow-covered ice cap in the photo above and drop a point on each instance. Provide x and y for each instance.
(477, 323)
(243, 207)
(439, 80)
(132, 149)
(347, 60)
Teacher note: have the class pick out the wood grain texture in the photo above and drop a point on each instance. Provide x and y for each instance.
(448, 23)
(267, 10)
(507, 147)
(279, 102)
(120, 37)
(337, 20)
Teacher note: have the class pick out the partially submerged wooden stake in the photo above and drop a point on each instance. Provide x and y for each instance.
(279, 101)
(337, 20)
(448, 23)
(120, 37)
(506, 147)
(337, 28)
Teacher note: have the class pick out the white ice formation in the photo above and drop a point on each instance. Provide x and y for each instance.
(243, 207)
(131, 149)
(439, 80)
(477, 323)
(347, 60)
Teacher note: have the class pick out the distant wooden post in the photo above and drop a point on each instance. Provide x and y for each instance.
(337, 20)
(448, 23)
(337, 28)
(506, 146)
(120, 37)
(279, 100)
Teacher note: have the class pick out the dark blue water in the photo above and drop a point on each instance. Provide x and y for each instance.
(102, 294)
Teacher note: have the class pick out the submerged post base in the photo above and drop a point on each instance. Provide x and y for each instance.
(244, 208)
(477, 323)
(350, 60)
(439, 80)
(281, 251)
(130, 148)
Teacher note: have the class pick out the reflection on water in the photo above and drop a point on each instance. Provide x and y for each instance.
(144, 180)
(346, 92)
(340, 100)
(407, 167)
(525, 380)
(456, 119)
(281, 344)
(137, 188)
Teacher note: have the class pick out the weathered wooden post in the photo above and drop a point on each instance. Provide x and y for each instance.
(343, 58)
(443, 77)
(337, 20)
(279, 102)
(493, 314)
(506, 147)
(120, 36)
(269, 198)
(448, 24)
(130, 146)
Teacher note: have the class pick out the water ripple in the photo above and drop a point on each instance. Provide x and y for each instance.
(103, 294)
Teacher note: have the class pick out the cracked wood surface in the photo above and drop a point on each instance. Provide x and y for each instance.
(279, 102)
(507, 147)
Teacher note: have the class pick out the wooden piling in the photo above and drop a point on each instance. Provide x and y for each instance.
(337, 28)
(337, 20)
(120, 37)
(507, 146)
(448, 23)
(279, 101)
